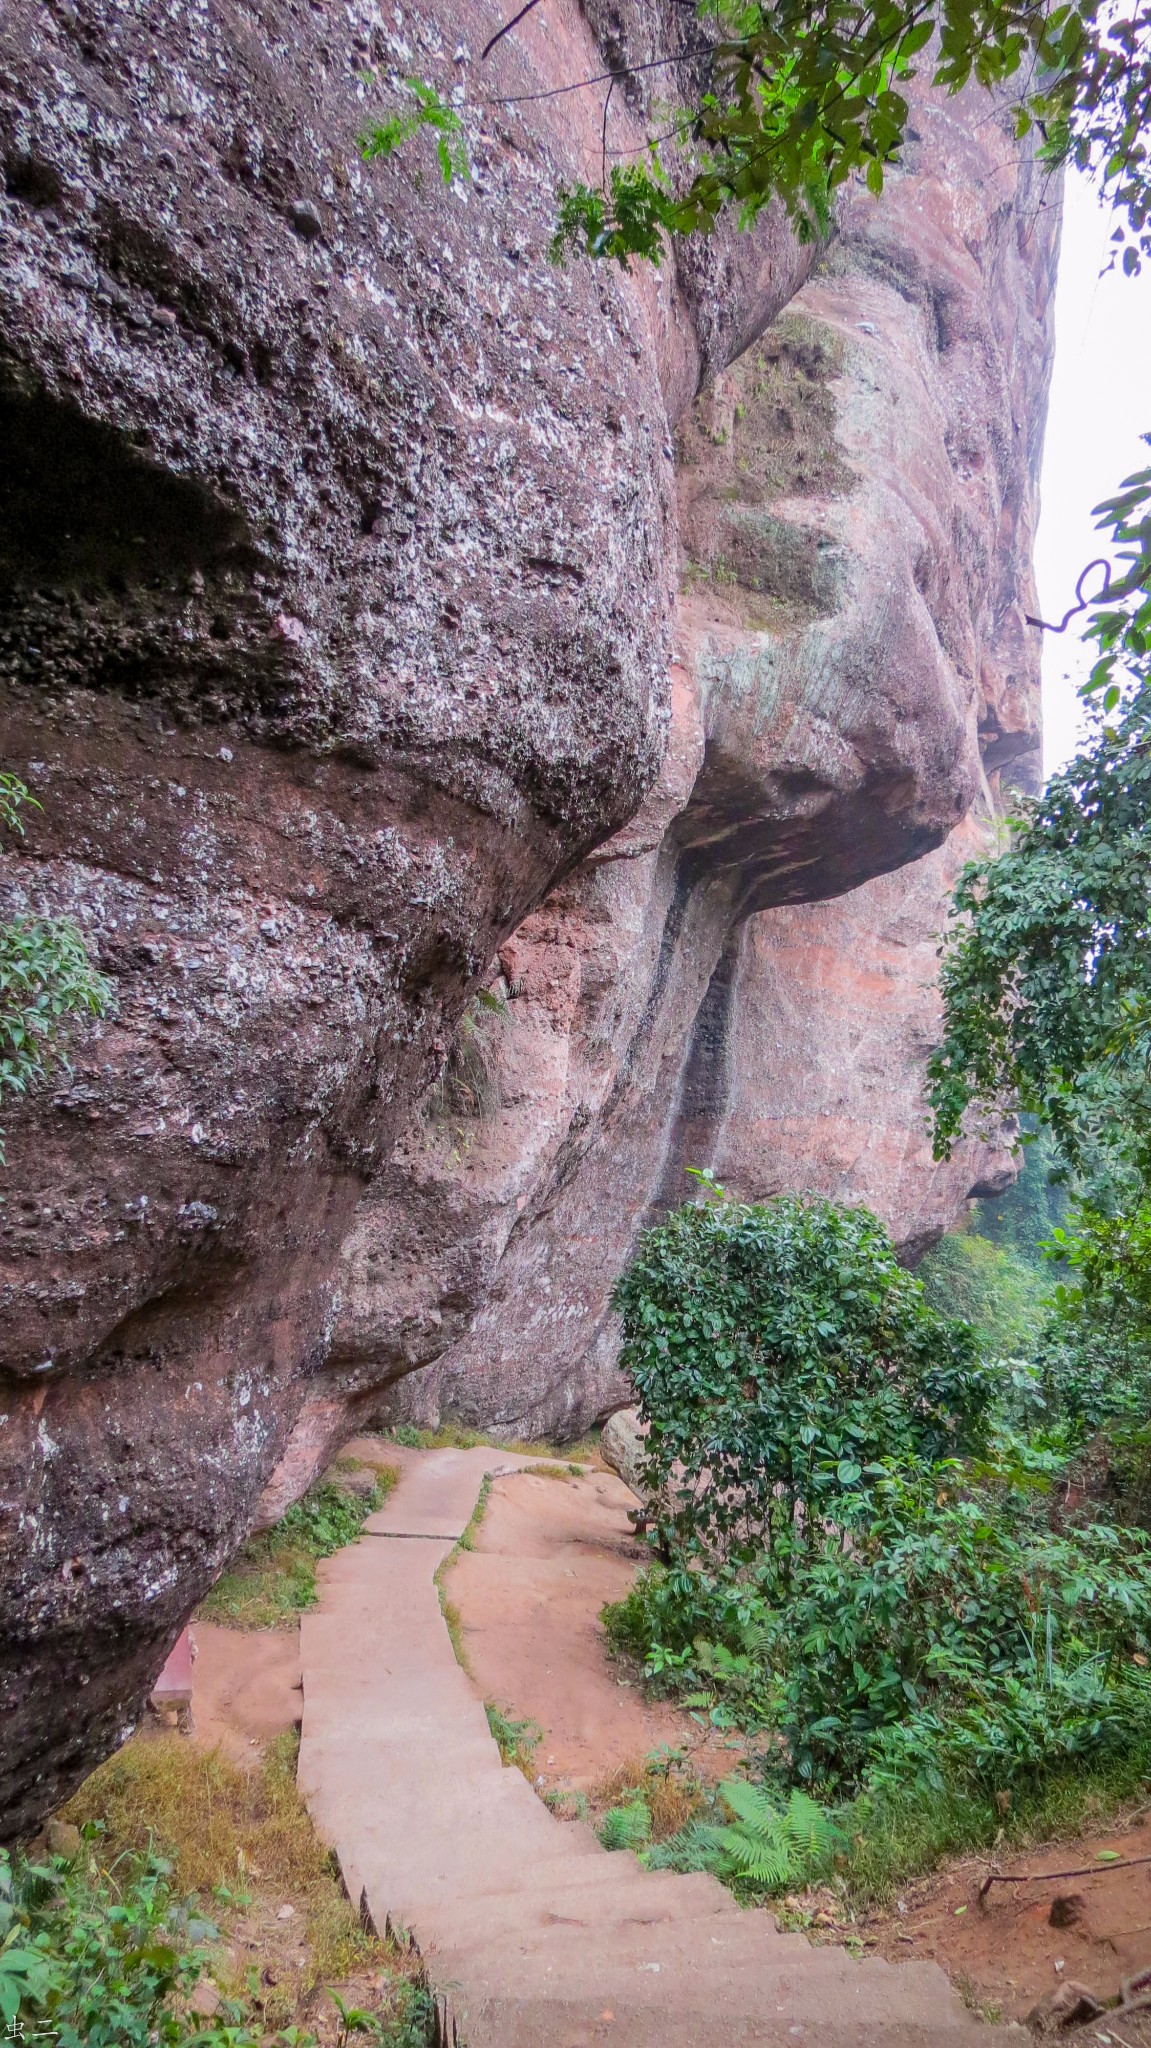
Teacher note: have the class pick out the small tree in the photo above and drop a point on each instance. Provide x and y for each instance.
(779, 1351)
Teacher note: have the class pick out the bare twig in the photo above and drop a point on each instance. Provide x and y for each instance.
(507, 28)
(1048, 1876)
(1082, 602)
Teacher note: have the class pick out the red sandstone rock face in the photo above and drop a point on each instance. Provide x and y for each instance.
(337, 550)
(857, 499)
(835, 1007)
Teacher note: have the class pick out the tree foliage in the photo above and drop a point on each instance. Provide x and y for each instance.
(1046, 974)
(790, 99)
(780, 1351)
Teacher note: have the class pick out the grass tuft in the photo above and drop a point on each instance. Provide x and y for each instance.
(273, 1579)
(453, 1620)
(243, 1842)
(517, 1741)
(664, 1784)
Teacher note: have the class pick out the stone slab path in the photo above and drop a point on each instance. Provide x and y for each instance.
(532, 1935)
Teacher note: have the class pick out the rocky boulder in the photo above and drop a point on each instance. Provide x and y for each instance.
(337, 556)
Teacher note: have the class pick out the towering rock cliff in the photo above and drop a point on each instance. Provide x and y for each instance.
(853, 678)
(339, 549)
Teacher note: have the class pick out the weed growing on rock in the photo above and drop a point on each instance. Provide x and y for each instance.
(46, 979)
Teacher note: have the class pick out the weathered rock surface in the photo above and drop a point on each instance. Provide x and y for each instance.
(338, 551)
(621, 1446)
(723, 985)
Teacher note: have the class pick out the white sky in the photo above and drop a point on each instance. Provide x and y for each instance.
(1100, 404)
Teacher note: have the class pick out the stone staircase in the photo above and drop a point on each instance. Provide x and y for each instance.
(532, 1935)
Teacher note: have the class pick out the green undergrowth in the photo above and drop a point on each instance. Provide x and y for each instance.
(904, 1572)
(899, 1833)
(274, 1576)
(517, 1741)
(762, 1842)
(196, 1908)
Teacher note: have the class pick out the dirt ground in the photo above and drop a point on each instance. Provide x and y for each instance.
(246, 1687)
(548, 1554)
(1006, 1953)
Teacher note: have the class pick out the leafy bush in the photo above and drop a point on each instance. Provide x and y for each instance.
(99, 1952)
(779, 1352)
(936, 1601)
(91, 1956)
(878, 1615)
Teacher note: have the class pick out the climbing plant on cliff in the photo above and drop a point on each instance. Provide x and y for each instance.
(790, 99)
(1046, 973)
(46, 979)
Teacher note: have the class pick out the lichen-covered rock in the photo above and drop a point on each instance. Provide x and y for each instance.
(337, 551)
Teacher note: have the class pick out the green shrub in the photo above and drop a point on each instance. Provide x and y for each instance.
(100, 1951)
(944, 1608)
(91, 1957)
(879, 1618)
(779, 1352)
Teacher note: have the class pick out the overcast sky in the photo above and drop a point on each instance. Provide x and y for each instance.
(1100, 404)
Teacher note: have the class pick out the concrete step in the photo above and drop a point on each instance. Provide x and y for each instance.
(581, 2023)
(528, 1928)
(589, 1902)
(746, 1967)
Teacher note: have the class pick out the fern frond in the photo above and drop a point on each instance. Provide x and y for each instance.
(813, 1833)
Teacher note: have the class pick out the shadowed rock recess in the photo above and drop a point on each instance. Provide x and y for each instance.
(340, 543)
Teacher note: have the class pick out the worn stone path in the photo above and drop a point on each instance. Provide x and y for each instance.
(533, 1936)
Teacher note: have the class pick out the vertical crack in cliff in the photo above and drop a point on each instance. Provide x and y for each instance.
(704, 1089)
